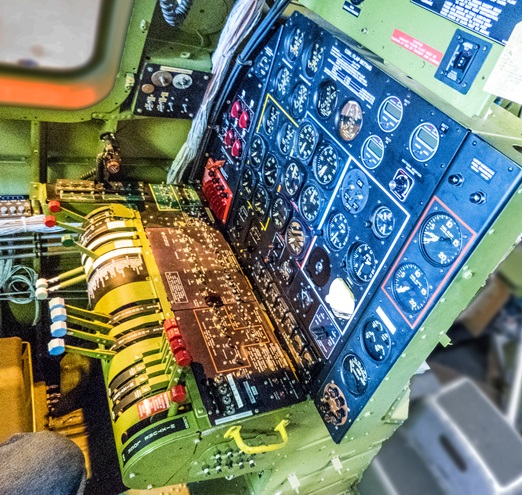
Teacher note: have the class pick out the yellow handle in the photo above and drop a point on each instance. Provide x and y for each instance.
(235, 433)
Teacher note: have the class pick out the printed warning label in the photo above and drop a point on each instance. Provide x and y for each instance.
(176, 287)
(418, 47)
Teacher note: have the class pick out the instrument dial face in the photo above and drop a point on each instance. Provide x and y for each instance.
(306, 140)
(424, 142)
(280, 212)
(293, 178)
(376, 340)
(295, 237)
(390, 114)
(262, 66)
(286, 138)
(441, 239)
(271, 119)
(247, 182)
(282, 84)
(270, 170)
(372, 152)
(325, 165)
(241, 218)
(305, 299)
(362, 262)
(257, 150)
(299, 100)
(260, 201)
(295, 43)
(327, 99)
(354, 374)
(338, 231)
(286, 270)
(351, 120)
(411, 287)
(314, 60)
(355, 191)
(310, 203)
(383, 222)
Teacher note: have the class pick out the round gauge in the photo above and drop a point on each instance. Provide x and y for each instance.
(314, 60)
(355, 374)
(325, 164)
(351, 120)
(286, 138)
(247, 182)
(424, 142)
(306, 140)
(390, 114)
(305, 299)
(383, 222)
(362, 262)
(262, 66)
(286, 270)
(376, 340)
(337, 231)
(411, 287)
(257, 150)
(327, 99)
(270, 119)
(295, 237)
(162, 78)
(355, 191)
(260, 201)
(279, 212)
(270, 170)
(319, 267)
(372, 152)
(282, 83)
(310, 203)
(299, 100)
(441, 239)
(292, 178)
(295, 43)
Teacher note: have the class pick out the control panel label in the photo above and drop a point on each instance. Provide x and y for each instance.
(417, 47)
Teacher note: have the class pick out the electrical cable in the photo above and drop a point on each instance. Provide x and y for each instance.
(175, 12)
(18, 225)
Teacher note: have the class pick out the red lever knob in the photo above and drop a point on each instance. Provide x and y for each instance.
(50, 221)
(237, 148)
(183, 358)
(54, 206)
(244, 120)
(229, 138)
(236, 109)
(178, 394)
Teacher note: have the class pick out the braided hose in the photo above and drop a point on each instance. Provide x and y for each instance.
(175, 12)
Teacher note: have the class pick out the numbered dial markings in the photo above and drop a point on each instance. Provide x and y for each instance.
(362, 262)
(280, 212)
(257, 150)
(270, 170)
(247, 182)
(296, 237)
(306, 140)
(411, 287)
(293, 178)
(310, 203)
(376, 340)
(441, 239)
(260, 201)
(271, 119)
(337, 231)
(295, 43)
(350, 120)
(282, 84)
(327, 97)
(354, 374)
(299, 100)
(286, 138)
(314, 60)
(262, 66)
(325, 165)
(383, 222)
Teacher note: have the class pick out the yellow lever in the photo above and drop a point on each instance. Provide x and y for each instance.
(235, 433)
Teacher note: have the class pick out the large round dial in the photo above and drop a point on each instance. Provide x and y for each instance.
(325, 164)
(270, 170)
(286, 138)
(260, 201)
(279, 212)
(441, 239)
(306, 140)
(295, 43)
(424, 142)
(337, 231)
(355, 191)
(299, 100)
(310, 203)
(383, 222)
(350, 120)
(372, 152)
(362, 262)
(257, 150)
(293, 178)
(271, 119)
(282, 83)
(295, 237)
(355, 374)
(376, 340)
(327, 99)
(390, 114)
(247, 182)
(314, 60)
(411, 287)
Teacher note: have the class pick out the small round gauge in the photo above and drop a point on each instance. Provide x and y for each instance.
(286, 138)
(295, 43)
(279, 212)
(299, 100)
(376, 340)
(305, 299)
(337, 231)
(295, 237)
(355, 374)
(262, 66)
(355, 191)
(372, 152)
(424, 142)
(282, 83)
(325, 164)
(307, 138)
(257, 150)
(390, 114)
(292, 178)
(361, 262)
(270, 119)
(351, 120)
(260, 201)
(314, 59)
(310, 203)
(383, 222)
(286, 270)
(441, 239)
(247, 182)
(270, 170)
(411, 287)
(327, 96)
